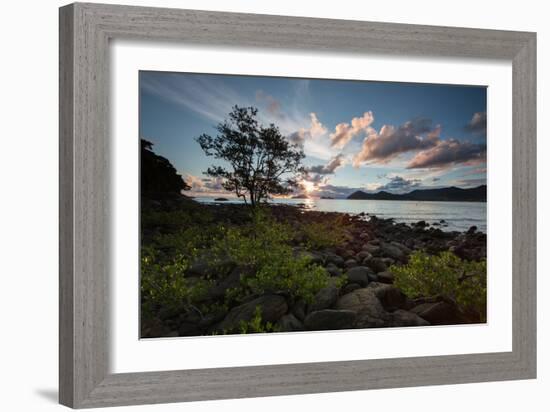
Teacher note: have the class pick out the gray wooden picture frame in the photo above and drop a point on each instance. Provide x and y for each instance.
(85, 31)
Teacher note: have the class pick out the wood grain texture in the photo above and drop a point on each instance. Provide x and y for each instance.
(85, 31)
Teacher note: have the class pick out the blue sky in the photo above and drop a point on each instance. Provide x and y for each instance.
(356, 135)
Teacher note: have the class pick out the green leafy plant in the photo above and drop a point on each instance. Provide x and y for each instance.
(256, 325)
(321, 235)
(165, 287)
(264, 246)
(465, 282)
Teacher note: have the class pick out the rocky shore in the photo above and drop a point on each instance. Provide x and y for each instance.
(360, 292)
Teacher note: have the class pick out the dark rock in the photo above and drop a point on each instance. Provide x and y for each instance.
(189, 329)
(205, 268)
(299, 310)
(324, 299)
(385, 277)
(392, 251)
(272, 307)
(403, 318)
(359, 274)
(361, 256)
(335, 259)
(372, 248)
(333, 270)
(350, 263)
(367, 306)
(472, 230)
(377, 264)
(230, 282)
(391, 297)
(330, 319)
(289, 323)
(438, 313)
(350, 287)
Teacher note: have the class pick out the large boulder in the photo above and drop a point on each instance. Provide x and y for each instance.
(376, 264)
(330, 319)
(325, 298)
(438, 313)
(392, 251)
(359, 275)
(289, 323)
(367, 306)
(272, 308)
(404, 318)
(391, 297)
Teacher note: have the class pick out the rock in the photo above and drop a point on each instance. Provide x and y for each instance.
(392, 251)
(299, 310)
(373, 277)
(350, 287)
(377, 264)
(385, 277)
(172, 334)
(350, 263)
(335, 259)
(404, 318)
(371, 248)
(402, 247)
(359, 274)
(272, 307)
(391, 297)
(333, 270)
(367, 306)
(330, 319)
(361, 256)
(313, 257)
(324, 299)
(189, 329)
(421, 224)
(289, 323)
(472, 230)
(438, 313)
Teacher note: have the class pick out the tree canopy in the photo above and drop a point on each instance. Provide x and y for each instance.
(261, 161)
(158, 176)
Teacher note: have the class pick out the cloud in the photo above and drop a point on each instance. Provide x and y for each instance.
(330, 167)
(478, 124)
(400, 184)
(344, 132)
(449, 152)
(315, 130)
(204, 185)
(272, 104)
(417, 134)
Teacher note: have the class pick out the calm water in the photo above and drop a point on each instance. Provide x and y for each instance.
(458, 215)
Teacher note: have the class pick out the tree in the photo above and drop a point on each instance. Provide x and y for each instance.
(158, 176)
(261, 162)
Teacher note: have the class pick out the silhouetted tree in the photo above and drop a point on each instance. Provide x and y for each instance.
(158, 176)
(261, 161)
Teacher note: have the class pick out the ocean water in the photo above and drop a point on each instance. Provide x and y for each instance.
(458, 215)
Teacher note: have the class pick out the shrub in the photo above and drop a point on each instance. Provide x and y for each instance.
(256, 325)
(445, 274)
(264, 247)
(321, 235)
(165, 287)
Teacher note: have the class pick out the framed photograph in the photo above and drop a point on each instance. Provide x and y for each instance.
(257, 205)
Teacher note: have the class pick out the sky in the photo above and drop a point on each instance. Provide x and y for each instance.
(357, 135)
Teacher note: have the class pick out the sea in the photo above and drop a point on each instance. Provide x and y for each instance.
(459, 216)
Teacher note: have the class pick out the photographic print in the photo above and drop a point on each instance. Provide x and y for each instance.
(276, 205)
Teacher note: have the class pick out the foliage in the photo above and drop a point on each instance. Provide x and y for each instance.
(445, 274)
(255, 325)
(264, 246)
(262, 162)
(164, 286)
(325, 234)
(158, 176)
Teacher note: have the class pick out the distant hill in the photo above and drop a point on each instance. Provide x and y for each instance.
(446, 194)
